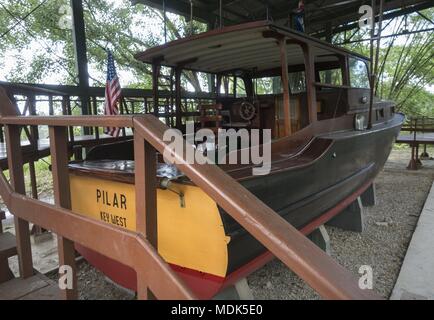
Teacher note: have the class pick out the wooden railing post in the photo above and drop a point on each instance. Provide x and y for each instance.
(66, 111)
(146, 201)
(95, 112)
(36, 230)
(16, 171)
(62, 198)
(32, 111)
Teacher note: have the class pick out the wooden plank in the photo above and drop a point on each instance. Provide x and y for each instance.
(62, 198)
(22, 232)
(18, 288)
(50, 292)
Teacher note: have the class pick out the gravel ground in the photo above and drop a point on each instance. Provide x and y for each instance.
(389, 227)
(93, 285)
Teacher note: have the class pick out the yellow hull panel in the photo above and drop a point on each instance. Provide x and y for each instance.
(192, 237)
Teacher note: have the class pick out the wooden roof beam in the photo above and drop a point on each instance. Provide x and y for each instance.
(338, 27)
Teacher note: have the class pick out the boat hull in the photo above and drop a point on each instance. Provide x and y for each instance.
(308, 194)
(302, 194)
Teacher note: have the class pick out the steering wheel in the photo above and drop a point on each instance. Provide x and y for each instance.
(247, 111)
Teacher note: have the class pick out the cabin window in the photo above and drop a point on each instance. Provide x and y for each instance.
(194, 82)
(333, 77)
(297, 82)
(227, 86)
(240, 88)
(359, 76)
(268, 85)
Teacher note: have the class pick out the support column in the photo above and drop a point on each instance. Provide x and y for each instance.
(321, 238)
(425, 154)
(155, 91)
(369, 197)
(62, 198)
(309, 62)
(79, 37)
(328, 38)
(31, 99)
(350, 219)
(178, 102)
(239, 291)
(285, 83)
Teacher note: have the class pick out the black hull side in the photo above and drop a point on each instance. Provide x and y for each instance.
(302, 194)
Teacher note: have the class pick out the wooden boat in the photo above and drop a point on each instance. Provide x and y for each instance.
(328, 146)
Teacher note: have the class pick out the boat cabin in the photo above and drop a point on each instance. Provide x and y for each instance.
(262, 76)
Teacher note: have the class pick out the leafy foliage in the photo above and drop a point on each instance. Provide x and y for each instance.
(110, 24)
(406, 69)
(406, 62)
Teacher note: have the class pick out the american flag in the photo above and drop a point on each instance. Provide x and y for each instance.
(113, 94)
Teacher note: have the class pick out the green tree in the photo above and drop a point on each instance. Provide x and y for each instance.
(406, 62)
(114, 25)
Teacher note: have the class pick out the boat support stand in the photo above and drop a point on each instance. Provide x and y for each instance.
(351, 219)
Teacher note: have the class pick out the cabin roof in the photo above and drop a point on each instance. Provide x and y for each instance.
(250, 46)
